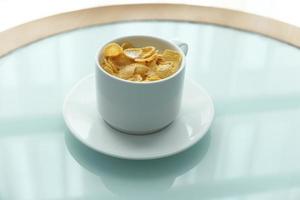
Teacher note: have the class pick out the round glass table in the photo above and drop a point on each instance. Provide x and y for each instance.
(251, 151)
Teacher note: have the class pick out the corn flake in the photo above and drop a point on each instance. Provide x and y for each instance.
(136, 77)
(112, 50)
(164, 70)
(143, 64)
(121, 60)
(148, 59)
(127, 71)
(147, 51)
(133, 53)
(141, 69)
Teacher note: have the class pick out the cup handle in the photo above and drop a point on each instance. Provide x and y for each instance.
(183, 46)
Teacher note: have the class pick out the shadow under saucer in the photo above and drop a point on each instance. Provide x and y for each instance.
(131, 177)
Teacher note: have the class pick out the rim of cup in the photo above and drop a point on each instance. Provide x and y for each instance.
(182, 64)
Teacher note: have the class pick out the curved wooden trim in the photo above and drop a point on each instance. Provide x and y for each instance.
(42, 28)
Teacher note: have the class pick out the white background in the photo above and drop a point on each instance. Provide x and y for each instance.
(15, 12)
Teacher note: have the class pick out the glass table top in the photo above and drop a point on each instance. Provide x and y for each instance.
(251, 151)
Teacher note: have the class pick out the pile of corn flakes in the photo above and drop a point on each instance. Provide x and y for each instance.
(139, 64)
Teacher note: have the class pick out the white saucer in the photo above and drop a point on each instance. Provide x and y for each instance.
(82, 118)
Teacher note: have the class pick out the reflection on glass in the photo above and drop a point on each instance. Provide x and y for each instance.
(129, 178)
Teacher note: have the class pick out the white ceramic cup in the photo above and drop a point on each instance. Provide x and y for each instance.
(140, 107)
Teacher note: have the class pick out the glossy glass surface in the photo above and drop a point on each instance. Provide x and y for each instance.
(252, 150)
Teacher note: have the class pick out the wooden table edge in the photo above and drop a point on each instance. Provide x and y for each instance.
(27, 33)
